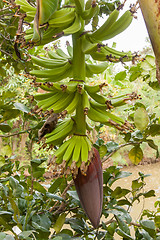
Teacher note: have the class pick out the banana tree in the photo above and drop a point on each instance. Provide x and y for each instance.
(151, 14)
(68, 96)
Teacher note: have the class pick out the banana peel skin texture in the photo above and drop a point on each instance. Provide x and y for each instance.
(151, 14)
(90, 189)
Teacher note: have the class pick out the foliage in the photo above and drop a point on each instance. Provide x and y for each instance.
(36, 208)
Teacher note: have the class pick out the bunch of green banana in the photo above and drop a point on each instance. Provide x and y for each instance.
(112, 26)
(56, 74)
(75, 27)
(59, 54)
(58, 101)
(62, 130)
(97, 113)
(62, 18)
(73, 154)
(48, 63)
(89, 13)
(102, 52)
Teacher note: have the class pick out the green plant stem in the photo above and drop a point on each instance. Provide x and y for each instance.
(14, 134)
(79, 74)
(78, 57)
(80, 119)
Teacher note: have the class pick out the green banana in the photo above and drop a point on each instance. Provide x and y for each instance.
(89, 127)
(117, 27)
(115, 118)
(113, 56)
(94, 88)
(79, 6)
(91, 12)
(89, 74)
(42, 96)
(49, 87)
(71, 87)
(60, 76)
(59, 127)
(27, 8)
(64, 21)
(48, 63)
(70, 50)
(69, 150)
(59, 160)
(97, 116)
(98, 56)
(84, 150)
(62, 134)
(50, 35)
(94, 104)
(110, 115)
(117, 53)
(75, 27)
(98, 98)
(88, 47)
(61, 150)
(72, 106)
(46, 103)
(58, 86)
(62, 54)
(55, 56)
(98, 68)
(51, 72)
(77, 149)
(88, 143)
(85, 102)
(106, 25)
(59, 106)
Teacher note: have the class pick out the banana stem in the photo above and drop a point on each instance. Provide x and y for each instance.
(78, 58)
(79, 73)
(151, 14)
(80, 119)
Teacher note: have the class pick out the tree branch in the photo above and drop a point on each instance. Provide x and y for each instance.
(63, 196)
(14, 134)
(120, 146)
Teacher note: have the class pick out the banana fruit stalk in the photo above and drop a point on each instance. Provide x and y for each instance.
(151, 15)
(90, 188)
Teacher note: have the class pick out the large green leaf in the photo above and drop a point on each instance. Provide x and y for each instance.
(2, 161)
(54, 187)
(6, 151)
(26, 234)
(149, 227)
(124, 234)
(59, 223)
(141, 119)
(21, 107)
(119, 192)
(37, 186)
(102, 151)
(10, 114)
(5, 127)
(135, 154)
(120, 76)
(154, 130)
